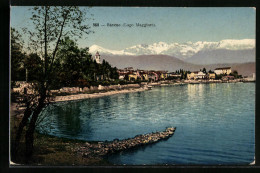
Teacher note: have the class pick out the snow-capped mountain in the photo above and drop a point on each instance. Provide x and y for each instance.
(180, 50)
(94, 48)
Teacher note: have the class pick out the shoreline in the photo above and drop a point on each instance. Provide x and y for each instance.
(55, 148)
(95, 95)
(82, 96)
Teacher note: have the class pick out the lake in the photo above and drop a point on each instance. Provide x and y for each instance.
(215, 123)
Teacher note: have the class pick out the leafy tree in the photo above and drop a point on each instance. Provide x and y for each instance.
(114, 74)
(33, 65)
(51, 26)
(17, 56)
(72, 63)
(235, 74)
(126, 77)
(204, 70)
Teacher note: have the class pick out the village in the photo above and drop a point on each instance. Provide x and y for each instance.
(132, 80)
(223, 74)
(101, 86)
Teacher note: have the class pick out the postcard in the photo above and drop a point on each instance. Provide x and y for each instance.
(110, 86)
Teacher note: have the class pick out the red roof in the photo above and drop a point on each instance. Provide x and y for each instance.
(223, 68)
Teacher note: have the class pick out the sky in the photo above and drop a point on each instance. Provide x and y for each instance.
(170, 24)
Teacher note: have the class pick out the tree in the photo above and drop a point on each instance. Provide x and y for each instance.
(17, 56)
(72, 63)
(51, 25)
(235, 74)
(204, 70)
(33, 65)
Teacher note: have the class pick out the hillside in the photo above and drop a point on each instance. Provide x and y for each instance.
(169, 63)
(149, 62)
(223, 56)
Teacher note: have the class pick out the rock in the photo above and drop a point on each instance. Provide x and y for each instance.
(103, 148)
(116, 140)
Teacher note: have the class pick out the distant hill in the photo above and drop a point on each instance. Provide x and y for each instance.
(220, 56)
(149, 62)
(245, 69)
(170, 63)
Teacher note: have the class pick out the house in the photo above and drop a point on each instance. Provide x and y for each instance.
(192, 75)
(128, 69)
(172, 74)
(223, 70)
(211, 75)
(122, 74)
(201, 75)
(163, 75)
(152, 76)
(143, 75)
(132, 76)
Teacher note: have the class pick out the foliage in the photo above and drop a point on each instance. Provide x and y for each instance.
(75, 67)
(17, 56)
(33, 64)
(51, 26)
(235, 74)
(204, 70)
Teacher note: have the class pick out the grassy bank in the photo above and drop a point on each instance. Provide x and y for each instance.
(49, 150)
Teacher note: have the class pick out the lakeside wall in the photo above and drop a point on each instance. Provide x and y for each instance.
(78, 90)
(94, 89)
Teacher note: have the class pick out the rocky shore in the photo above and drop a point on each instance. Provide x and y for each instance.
(100, 149)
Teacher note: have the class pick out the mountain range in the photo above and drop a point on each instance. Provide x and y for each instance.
(191, 56)
(180, 50)
(171, 64)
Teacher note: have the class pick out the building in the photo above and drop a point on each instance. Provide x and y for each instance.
(201, 75)
(196, 75)
(223, 70)
(192, 75)
(122, 74)
(175, 75)
(132, 77)
(128, 69)
(163, 75)
(142, 75)
(152, 76)
(97, 58)
(211, 75)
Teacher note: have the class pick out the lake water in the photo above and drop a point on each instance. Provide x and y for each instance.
(215, 123)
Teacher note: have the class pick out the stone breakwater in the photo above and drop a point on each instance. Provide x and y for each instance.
(104, 148)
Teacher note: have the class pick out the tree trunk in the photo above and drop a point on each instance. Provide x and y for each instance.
(29, 138)
(29, 133)
(22, 124)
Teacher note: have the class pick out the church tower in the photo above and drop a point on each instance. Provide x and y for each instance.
(97, 57)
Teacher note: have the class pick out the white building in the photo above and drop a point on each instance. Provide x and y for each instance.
(223, 70)
(201, 75)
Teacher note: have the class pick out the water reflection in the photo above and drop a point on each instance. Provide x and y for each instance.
(68, 118)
